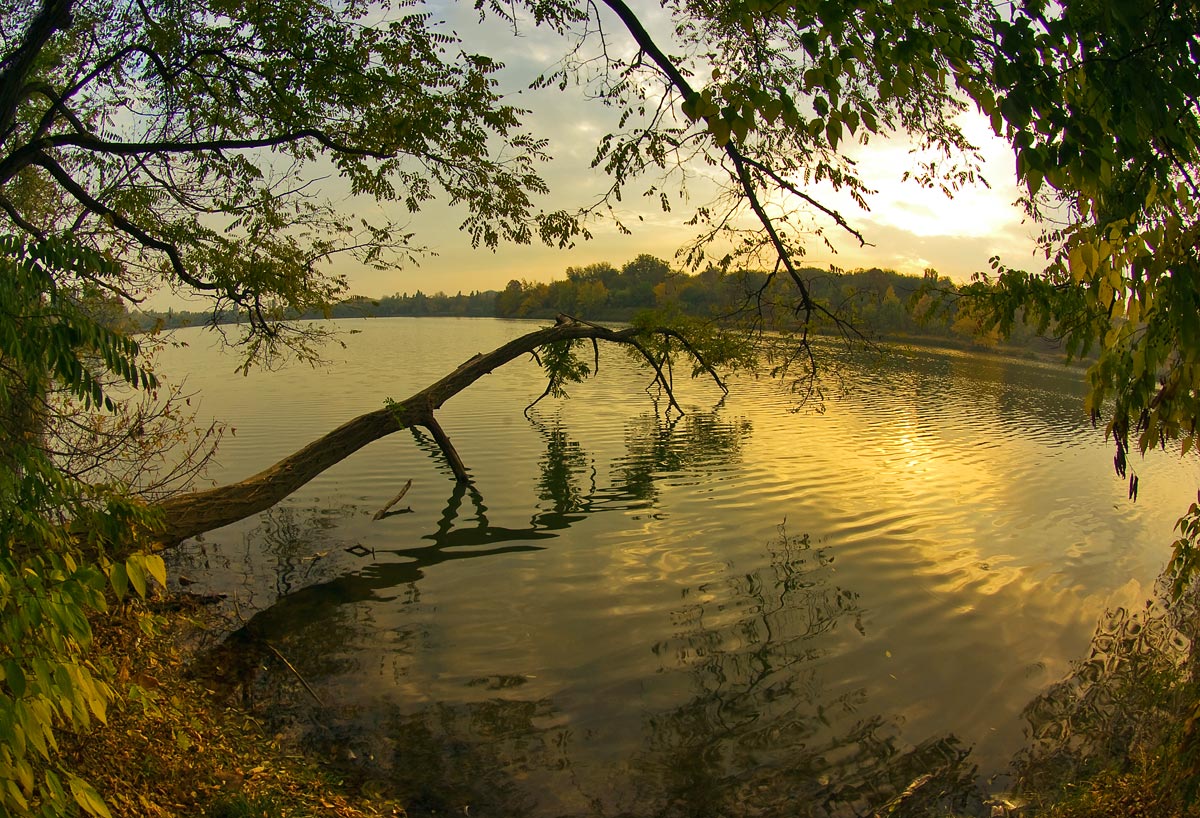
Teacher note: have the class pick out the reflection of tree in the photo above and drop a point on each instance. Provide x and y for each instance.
(1123, 699)
(656, 444)
(760, 735)
(476, 752)
(562, 468)
(699, 442)
(298, 540)
(438, 772)
(464, 530)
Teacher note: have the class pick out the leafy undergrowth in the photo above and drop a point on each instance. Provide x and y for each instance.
(1120, 735)
(172, 746)
(1141, 792)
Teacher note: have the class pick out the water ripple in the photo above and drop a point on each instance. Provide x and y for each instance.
(621, 596)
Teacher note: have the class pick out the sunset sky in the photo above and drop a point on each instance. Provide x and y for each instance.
(910, 228)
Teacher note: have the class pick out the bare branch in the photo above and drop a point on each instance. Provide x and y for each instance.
(94, 143)
(741, 165)
(795, 191)
(84, 198)
(19, 221)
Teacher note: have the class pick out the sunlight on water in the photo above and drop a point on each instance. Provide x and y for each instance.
(626, 613)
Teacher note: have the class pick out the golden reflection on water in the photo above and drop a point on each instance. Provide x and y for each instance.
(612, 616)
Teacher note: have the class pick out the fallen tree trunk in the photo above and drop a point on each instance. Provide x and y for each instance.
(187, 515)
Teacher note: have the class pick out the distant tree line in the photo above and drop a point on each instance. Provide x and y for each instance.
(880, 303)
(476, 304)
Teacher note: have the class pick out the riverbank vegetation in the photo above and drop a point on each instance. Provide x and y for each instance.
(879, 304)
(179, 738)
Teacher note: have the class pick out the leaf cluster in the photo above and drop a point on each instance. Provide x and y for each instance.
(65, 546)
(44, 335)
(1101, 102)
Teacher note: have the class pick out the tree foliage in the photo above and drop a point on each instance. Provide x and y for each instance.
(1102, 104)
(64, 544)
(1101, 101)
(185, 137)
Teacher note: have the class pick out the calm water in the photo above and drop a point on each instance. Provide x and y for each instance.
(743, 611)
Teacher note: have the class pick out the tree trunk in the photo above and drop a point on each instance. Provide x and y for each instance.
(190, 514)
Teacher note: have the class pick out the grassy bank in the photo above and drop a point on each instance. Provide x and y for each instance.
(176, 744)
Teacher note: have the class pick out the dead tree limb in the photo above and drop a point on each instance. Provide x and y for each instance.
(451, 454)
(383, 512)
(190, 514)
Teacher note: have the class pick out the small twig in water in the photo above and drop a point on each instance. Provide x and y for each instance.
(379, 515)
(292, 668)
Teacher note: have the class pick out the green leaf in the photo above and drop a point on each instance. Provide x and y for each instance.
(833, 132)
(87, 797)
(137, 575)
(119, 577)
(15, 676)
(719, 129)
(691, 107)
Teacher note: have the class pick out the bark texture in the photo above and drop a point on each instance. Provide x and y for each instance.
(187, 515)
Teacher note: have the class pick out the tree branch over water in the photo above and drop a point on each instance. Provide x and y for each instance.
(194, 513)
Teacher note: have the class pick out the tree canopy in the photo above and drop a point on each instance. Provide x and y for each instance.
(185, 140)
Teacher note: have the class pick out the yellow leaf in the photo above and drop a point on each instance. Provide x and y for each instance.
(24, 775)
(137, 574)
(88, 798)
(1133, 309)
(1089, 256)
(1113, 276)
(157, 568)
(1075, 263)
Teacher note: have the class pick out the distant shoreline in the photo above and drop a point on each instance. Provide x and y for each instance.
(1048, 355)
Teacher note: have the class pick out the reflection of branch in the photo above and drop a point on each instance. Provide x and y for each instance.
(191, 514)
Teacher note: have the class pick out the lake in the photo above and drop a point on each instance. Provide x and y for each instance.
(747, 610)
